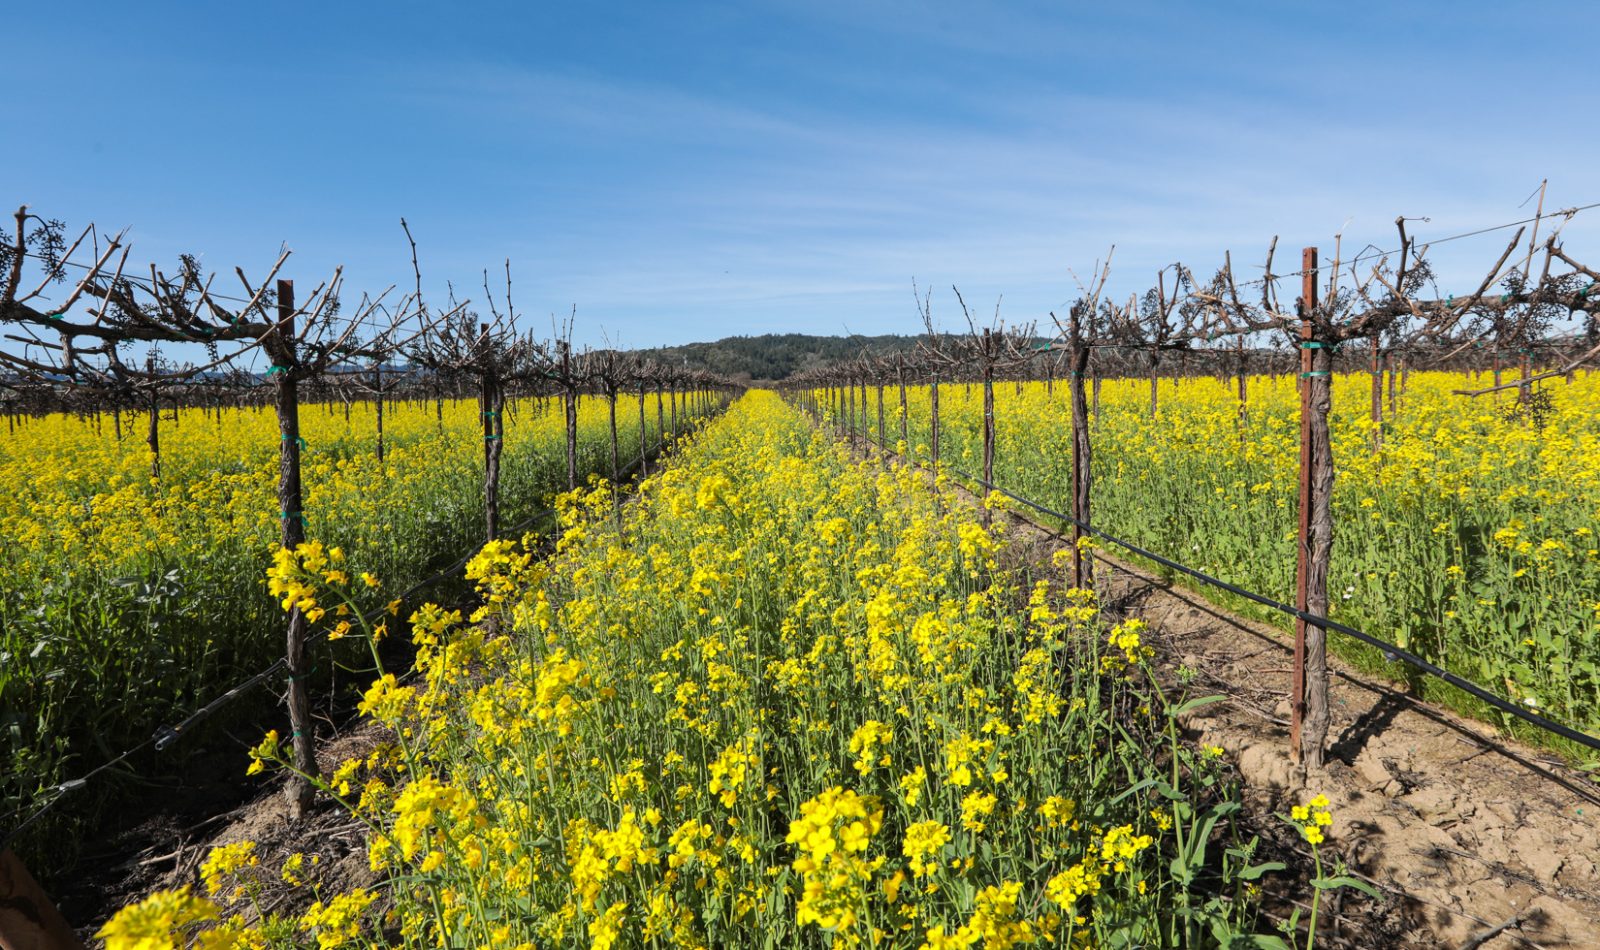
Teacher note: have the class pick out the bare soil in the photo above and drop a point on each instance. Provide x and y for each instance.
(165, 848)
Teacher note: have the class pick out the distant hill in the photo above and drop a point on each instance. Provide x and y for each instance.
(775, 356)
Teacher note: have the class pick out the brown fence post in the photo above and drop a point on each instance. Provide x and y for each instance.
(286, 373)
(905, 413)
(616, 451)
(1377, 396)
(644, 437)
(1309, 699)
(377, 402)
(866, 428)
(661, 416)
(1155, 360)
(850, 389)
(1081, 475)
(492, 401)
(1244, 391)
(882, 450)
(988, 420)
(1297, 689)
(153, 437)
(569, 401)
(1392, 374)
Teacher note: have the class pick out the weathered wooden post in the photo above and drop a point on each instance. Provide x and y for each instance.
(882, 449)
(377, 402)
(905, 414)
(989, 354)
(153, 436)
(661, 414)
(1082, 574)
(1377, 394)
(570, 406)
(850, 388)
(491, 398)
(1392, 374)
(1155, 362)
(280, 346)
(1309, 691)
(644, 437)
(610, 385)
(1244, 390)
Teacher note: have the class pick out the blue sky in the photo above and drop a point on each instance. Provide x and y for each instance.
(688, 171)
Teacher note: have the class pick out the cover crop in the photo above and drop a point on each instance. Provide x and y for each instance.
(798, 701)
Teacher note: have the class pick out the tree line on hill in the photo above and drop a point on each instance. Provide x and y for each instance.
(772, 357)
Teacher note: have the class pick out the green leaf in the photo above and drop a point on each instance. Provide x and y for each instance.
(1133, 789)
(1255, 871)
(1194, 704)
(1170, 793)
(1334, 883)
(1258, 942)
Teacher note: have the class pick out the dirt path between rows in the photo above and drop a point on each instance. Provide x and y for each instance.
(1475, 841)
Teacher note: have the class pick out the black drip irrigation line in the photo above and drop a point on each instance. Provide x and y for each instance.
(165, 736)
(1391, 652)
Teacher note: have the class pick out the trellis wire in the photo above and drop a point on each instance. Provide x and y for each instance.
(1391, 651)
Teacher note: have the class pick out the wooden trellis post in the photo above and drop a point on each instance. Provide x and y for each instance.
(644, 438)
(850, 388)
(988, 345)
(1079, 357)
(570, 404)
(1244, 390)
(153, 436)
(905, 415)
(377, 403)
(492, 403)
(882, 449)
(1308, 728)
(1377, 394)
(661, 414)
(285, 374)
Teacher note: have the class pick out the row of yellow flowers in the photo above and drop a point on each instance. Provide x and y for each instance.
(797, 701)
(125, 598)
